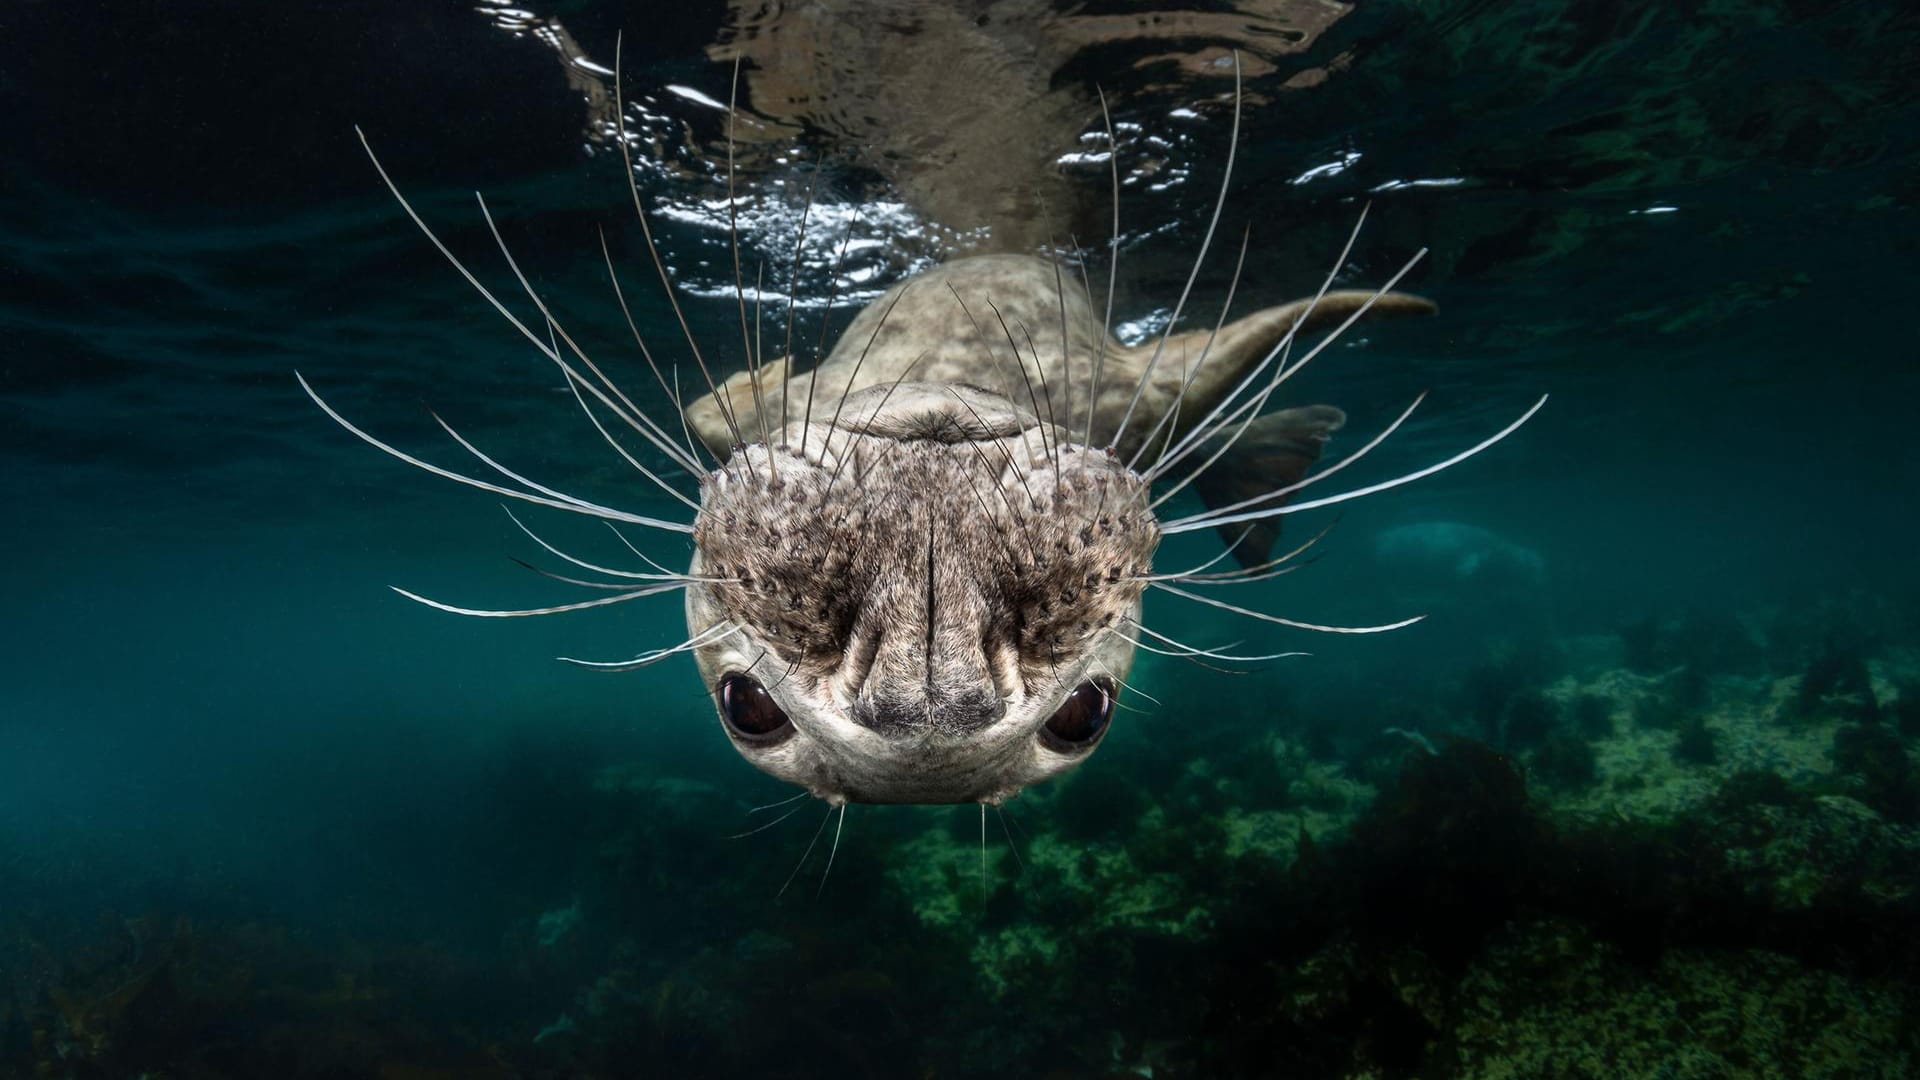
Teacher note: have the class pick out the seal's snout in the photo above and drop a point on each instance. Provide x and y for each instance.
(951, 713)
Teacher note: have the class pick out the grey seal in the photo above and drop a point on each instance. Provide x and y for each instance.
(918, 567)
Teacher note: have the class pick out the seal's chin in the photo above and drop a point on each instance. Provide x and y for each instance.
(825, 750)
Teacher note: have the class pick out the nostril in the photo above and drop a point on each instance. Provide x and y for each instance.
(915, 714)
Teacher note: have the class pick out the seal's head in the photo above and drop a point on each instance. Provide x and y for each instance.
(926, 599)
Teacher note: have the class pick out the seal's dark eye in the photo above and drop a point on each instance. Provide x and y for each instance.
(750, 712)
(1080, 720)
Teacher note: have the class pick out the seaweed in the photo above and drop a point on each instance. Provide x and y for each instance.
(1878, 758)
(1697, 744)
(1836, 684)
(1529, 718)
(1592, 716)
(1565, 761)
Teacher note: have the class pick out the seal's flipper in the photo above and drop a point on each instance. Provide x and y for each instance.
(1198, 368)
(1274, 452)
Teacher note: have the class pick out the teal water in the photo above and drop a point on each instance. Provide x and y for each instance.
(1636, 799)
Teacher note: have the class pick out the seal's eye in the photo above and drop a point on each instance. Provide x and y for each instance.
(750, 712)
(1080, 720)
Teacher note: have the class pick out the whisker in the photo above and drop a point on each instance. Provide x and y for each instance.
(1264, 617)
(637, 553)
(610, 586)
(664, 575)
(776, 805)
(1252, 407)
(1281, 348)
(485, 293)
(574, 386)
(691, 462)
(804, 854)
(1206, 241)
(1189, 524)
(793, 290)
(1011, 846)
(575, 506)
(1113, 264)
(653, 656)
(1124, 685)
(832, 851)
(984, 891)
(826, 320)
(768, 825)
(653, 249)
(1194, 650)
(748, 344)
(1303, 482)
(651, 431)
(986, 348)
(1171, 418)
(854, 376)
(867, 428)
(485, 613)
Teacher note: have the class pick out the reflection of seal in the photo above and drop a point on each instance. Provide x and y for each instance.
(919, 566)
(965, 109)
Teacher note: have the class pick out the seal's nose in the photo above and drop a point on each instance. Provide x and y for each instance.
(954, 712)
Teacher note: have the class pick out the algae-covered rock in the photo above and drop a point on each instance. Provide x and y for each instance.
(1547, 999)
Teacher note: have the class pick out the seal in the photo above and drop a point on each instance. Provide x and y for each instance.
(918, 567)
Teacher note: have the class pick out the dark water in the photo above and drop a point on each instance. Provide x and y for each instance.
(1655, 813)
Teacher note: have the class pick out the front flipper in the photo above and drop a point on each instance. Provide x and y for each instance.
(1274, 452)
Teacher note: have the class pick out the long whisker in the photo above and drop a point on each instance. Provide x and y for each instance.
(854, 376)
(983, 849)
(1125, 685)
(574, 385)
(691, 461)
(1227, 575)
(1189, 524)
(1113, 265)
(1011, 846)
(486, 293)
(770, 824)
(653, 656)
(1194, 650)
(637, 553)
(575, 506)
(832, 851)
(1289, 489)
(1280, 349)
(1252, 407)
(1196, 571)
(793, 291)
(777, 805)
(1206, 241)
(665, 575)
(1171, 418)
(484, 613)
(610, 586)
(748, 343)
(1264, 617)
(804, 854)
(826, 320)
(653, 249)
(651, 431)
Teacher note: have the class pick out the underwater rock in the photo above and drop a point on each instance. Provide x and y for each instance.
(1548, 999)
(1460, 552)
